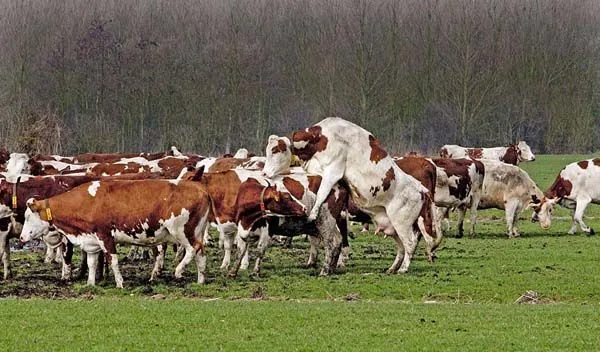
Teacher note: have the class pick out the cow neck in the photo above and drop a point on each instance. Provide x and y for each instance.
(263, 211)
(45, 211)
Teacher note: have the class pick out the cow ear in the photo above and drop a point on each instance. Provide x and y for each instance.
(33, 204)
(198, 175)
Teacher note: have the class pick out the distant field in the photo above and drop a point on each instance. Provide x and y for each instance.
(463, 301)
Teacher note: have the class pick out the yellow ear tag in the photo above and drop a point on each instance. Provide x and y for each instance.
(48, 214)
(14, 202)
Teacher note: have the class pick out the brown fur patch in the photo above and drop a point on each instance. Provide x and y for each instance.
(511, 156)
(281, 147)
(316, 142)
(583, 164)
(314, 182)
(596, 161)
(560, 188)
(475, 153)
(294, 187)
(224, 164)
(102, 158)
(377, 151)
(421, 169)
(171, 167)
(460, 169)
(387, 180)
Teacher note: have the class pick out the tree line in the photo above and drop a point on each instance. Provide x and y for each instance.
(215, 75)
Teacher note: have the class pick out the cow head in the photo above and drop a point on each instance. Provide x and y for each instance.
(542, 210)
(17, 164)
(241, 153)
(308, 142)
(279, 156)
(278, 203)
(36, 221)
(524, 152)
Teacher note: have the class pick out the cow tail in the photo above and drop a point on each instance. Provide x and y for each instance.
(426, 227)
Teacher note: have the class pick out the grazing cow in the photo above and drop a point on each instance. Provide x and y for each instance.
(338, 149)
(458, 185)
(576, 186)
(513, 154)
(510, 188)
(100, 214)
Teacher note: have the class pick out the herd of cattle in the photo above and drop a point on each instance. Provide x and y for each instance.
(313, 183)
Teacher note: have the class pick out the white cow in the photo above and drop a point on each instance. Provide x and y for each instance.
(338, 149)
(510, 188)
(576, 186)
(513, 154)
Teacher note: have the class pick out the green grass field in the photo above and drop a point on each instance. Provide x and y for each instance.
(464, 301)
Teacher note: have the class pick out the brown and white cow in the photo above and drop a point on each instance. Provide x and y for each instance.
(458, 185)
(575, 187)
(231, 200)
(100, 214)
(338, 149)
(513, 154)
(510, 188)
(13, 197)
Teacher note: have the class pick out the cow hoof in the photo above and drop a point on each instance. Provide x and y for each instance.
(458, 235)
(232, 275)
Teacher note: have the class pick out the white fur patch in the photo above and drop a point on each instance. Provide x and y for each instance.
(93, 188)
(300, 144)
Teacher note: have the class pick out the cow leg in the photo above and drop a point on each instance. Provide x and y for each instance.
(263, 244)
(159, 261)
(578, 217)
(82, 264)
(201, 265)
(226, 241)
(440, 218)
(58, 254)
(399, 255)
(332, 239)
(67, 261)
(206, 239)
(331, 175)
(473, 213)
(109, 248)
(342, 224)
(92, 264)
(190, 252)
(461, 210)
(405, 233)
(242, 249)
(5, 252)
(313, 252)
(510, 212)
(246, 258)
